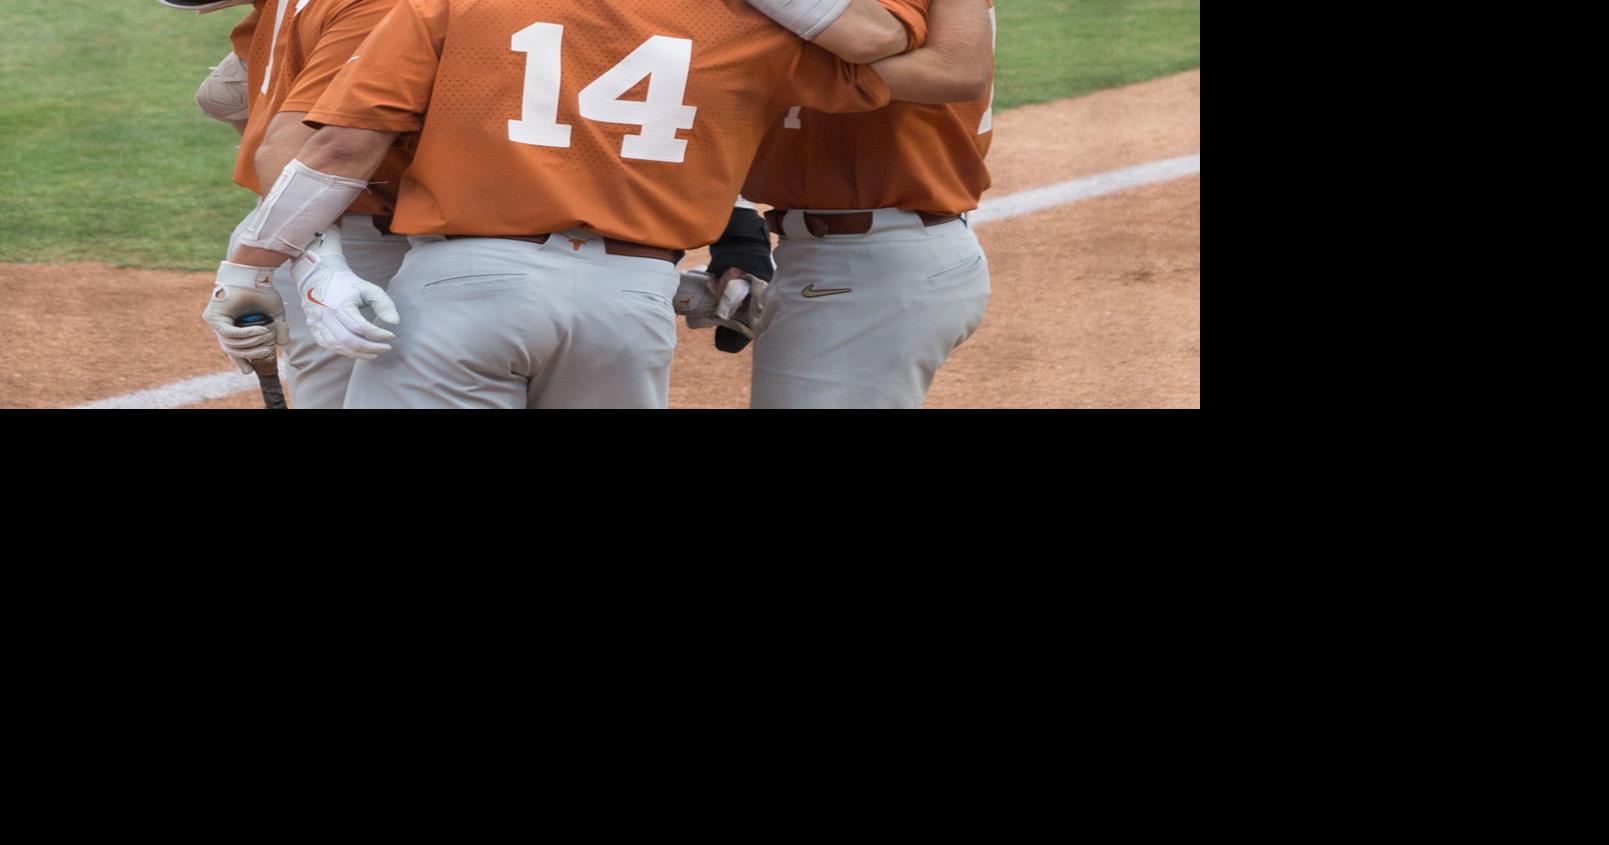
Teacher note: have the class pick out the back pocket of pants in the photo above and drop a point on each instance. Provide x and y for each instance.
(960, 271)
(474, 285)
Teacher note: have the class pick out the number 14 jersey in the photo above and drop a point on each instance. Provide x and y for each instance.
(638, 120)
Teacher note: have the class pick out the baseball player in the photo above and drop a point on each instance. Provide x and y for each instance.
(879, 276)
(741, 263)
(294, 50)
(567, 155)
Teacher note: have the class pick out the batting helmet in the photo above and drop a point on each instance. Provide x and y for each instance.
(202, 6)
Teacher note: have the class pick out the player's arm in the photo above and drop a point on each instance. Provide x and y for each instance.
(364, 91)
(366, 107)
(864, 33)
(957, 63)
(338, 40)
(296, 220)
(312, 191)
(857, 30)
(745, 247)
(285, 137)
(728, 294)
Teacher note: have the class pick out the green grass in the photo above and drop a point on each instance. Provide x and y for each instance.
(103, 155)
(1050, 49)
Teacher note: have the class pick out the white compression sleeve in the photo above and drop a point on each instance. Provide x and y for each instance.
(302, 203)
(804, 18)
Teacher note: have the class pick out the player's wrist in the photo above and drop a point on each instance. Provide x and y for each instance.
(753, 262)
(232, 275)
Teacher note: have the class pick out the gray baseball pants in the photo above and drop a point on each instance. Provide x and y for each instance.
(500, 323)
(865, 321)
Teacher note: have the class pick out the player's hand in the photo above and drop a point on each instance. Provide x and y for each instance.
(333, 298)
(741, 303)
(240, 290)
(694, 298)
(731, 303)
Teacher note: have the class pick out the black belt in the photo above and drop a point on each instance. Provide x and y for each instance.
(611, 246)
(859, 223)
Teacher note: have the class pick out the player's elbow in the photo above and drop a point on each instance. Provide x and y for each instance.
(222, 95)
(962, 82)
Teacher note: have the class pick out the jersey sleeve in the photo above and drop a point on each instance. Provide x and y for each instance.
(338, 40)
(240, 37)
(912, 13)
(821, 81)
(385, 85)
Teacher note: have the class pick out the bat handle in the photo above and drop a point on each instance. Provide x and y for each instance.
(267, 368)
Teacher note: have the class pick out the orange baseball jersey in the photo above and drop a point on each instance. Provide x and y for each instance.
(240, 36)
(297, 47)
(914, 157)
(637, 120)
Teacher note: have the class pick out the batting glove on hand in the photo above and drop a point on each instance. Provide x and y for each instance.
(332, 296)
(239, 291)
(736, 306)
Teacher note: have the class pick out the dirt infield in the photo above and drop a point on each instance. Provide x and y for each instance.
(1095, 304)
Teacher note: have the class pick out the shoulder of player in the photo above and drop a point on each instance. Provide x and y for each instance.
(331, 10)
(320, 15)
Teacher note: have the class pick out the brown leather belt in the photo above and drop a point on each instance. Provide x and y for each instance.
(859, 223)
(610, 246)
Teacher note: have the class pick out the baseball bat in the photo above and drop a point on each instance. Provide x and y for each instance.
(267, 368)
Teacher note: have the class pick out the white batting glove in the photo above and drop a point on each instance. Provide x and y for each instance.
(333, 296)
(737, 308)
(240, 291)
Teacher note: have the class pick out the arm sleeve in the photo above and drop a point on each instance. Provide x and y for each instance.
(912, 13)
(240, 37)
(338, 41)
(804, 18)
(385, 86)
(821, 81)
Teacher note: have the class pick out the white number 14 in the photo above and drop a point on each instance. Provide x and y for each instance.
(665, 61)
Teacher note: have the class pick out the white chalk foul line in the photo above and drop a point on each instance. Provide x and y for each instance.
(1099, 185)
(185, 392)
(201, 389)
